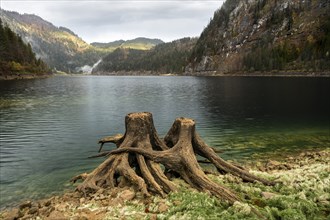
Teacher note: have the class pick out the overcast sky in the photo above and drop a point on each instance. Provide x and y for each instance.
(105, 21)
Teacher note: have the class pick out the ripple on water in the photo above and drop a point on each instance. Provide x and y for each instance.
(49, 127)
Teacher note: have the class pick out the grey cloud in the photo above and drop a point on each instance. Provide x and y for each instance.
(108, 20)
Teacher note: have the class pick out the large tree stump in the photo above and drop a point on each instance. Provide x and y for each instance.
(132, 169)
(140, 151)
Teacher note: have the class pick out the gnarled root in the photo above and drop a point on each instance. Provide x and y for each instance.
(140, 151)
(202, 149)
(181, 159)
(132, 169)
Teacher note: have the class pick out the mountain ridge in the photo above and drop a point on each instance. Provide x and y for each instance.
(243, 37)
(164, 58)
(251, 37)
(148, 42)
(263, 35)
(60, 47)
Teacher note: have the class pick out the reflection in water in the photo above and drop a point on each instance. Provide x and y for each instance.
(245, 115)
(50, 126)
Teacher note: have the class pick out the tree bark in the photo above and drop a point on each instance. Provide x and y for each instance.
(140, 153)
(140, 133)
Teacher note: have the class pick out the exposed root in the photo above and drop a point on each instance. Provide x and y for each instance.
(116, 139)
(140, 153)
(201, 148)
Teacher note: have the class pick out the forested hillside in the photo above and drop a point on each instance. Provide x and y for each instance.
(57, 46)
(16, 57)
(164, 58)
(265, 35)
(242, 37)
(60, 47)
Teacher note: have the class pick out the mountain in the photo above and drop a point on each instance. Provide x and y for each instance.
(265, 35)
(243, 36)
(60, 47)
(137, 43)
(164, 58)
(16, 57)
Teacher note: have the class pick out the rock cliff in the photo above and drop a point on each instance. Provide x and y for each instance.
(265, 35)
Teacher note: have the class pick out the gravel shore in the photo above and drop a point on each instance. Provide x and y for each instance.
(302, 192)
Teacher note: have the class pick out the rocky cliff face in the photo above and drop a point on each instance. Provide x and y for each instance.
(264, 35)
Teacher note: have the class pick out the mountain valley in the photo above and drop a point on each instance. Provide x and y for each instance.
(243, 37)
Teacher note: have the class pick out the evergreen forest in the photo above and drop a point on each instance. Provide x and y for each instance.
(16, 57)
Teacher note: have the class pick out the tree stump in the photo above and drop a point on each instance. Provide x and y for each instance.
(140, 153)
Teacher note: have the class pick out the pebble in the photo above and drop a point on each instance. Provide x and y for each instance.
(268, 195)
(262, 168)
(162, 207)
(13, 214)
(26, 204)
(127, 195)
(82, 200)
(48, 202)
(153, 217)
(100, 191)
(56, 215)
(61, 207)
(273, 163)
(177, 202)
(26, 217)
(44, 211)
(33, 210)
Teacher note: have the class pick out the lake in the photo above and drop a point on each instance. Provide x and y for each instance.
(50, 126)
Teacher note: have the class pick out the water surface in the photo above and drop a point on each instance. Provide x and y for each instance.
(49, 126)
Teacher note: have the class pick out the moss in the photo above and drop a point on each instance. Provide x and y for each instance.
(188, 204)
(302, 193)
(293, 204)
(272, 213)
(292, 214)
(191, 204)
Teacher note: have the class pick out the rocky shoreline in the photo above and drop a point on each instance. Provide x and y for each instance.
(302, 192)
(217, 73)
(278, 74)
(149, 73)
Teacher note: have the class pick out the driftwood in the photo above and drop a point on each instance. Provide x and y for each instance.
(141, 156)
